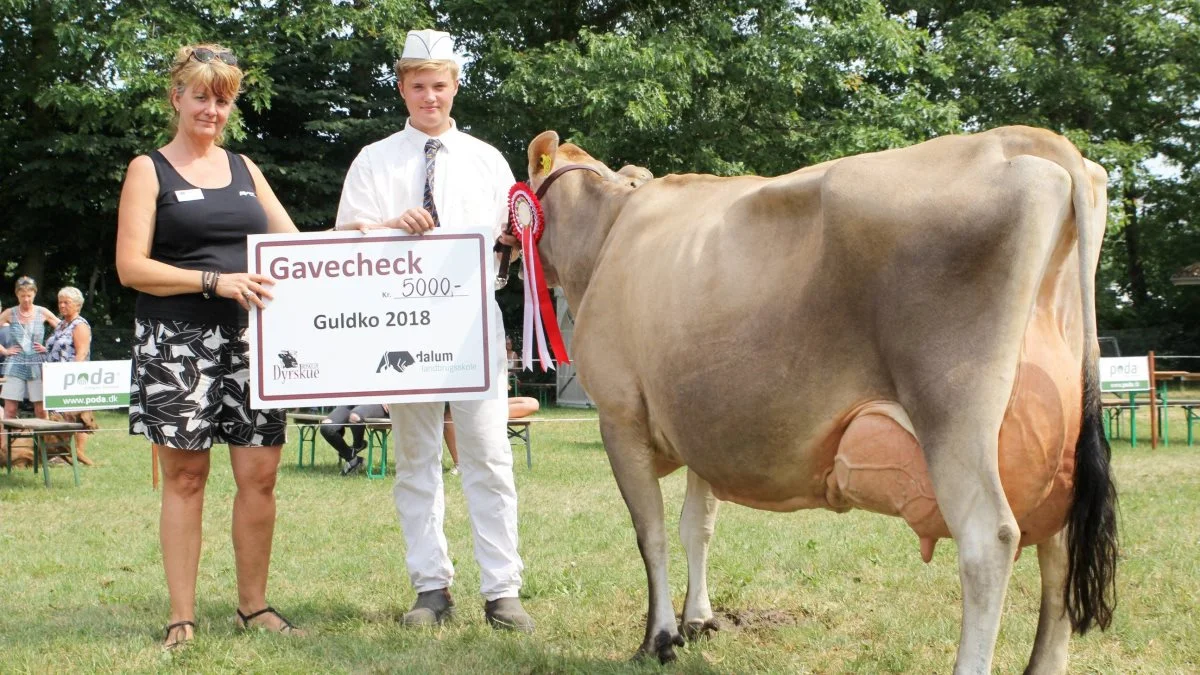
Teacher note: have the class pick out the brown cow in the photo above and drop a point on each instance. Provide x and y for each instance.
(910, 332)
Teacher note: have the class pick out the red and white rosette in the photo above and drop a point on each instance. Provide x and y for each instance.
(541, 325)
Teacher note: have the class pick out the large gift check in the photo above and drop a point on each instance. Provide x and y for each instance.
(373, 318)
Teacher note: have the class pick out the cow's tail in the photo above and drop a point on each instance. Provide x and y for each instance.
(1090, 592)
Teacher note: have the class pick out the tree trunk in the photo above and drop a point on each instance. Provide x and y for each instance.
(1138, 292)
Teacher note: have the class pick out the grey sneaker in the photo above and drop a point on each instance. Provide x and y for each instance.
(352, 465)
(432, 608)
(508, 614)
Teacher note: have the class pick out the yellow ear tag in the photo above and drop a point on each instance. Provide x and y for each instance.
(546, 163)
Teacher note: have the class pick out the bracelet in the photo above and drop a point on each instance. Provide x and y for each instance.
(208, 283)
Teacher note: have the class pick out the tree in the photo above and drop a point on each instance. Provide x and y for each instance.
(1121, 78)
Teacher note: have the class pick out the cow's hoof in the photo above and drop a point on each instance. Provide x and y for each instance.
(662, 647)
(698, 629)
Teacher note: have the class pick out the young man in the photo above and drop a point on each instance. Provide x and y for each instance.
(430, 175)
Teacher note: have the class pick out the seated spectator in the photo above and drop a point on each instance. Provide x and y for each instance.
(450, 438)
(334, 426)
(522, 406)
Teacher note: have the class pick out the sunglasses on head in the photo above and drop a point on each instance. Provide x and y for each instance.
(204, 55)
(26, 281)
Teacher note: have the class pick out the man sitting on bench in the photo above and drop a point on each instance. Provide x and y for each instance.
(333, 428)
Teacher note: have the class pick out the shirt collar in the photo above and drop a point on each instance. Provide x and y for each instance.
(449, 138)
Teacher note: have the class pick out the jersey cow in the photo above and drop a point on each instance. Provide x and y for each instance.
(910, 332)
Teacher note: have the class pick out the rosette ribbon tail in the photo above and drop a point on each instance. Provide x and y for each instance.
(540, 324)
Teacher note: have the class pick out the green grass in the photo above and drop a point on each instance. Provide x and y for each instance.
(82, 586)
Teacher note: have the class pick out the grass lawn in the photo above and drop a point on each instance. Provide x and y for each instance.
(82, 586)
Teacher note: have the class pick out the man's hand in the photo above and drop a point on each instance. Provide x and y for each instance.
(413, 221)
(507, 239)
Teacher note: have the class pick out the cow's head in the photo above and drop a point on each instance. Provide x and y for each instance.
(568, 204)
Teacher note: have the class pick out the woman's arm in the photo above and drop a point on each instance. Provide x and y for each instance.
(135, 235)
(277, 217)
(50, 318)
(82, 335)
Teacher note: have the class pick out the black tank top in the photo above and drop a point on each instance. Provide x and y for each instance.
(202, 229)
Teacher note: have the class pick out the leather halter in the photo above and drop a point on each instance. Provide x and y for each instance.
(506, 251)
(541, 191)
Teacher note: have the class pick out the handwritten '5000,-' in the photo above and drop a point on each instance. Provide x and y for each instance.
(360, 320)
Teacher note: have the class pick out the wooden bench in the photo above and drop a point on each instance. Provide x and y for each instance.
(307, 425)
(1191, 414)
(1113, 408)
(36, 429)
(519, 429)
(379, 430)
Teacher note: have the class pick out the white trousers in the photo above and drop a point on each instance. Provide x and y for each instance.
(486, 465)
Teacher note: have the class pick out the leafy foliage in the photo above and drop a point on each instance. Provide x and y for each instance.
(721, 86)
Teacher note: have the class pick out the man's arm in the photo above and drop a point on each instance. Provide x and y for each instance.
(359, 206)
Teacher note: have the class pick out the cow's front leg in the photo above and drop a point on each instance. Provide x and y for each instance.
(696, 525)
(630, 456)
(1054, 628)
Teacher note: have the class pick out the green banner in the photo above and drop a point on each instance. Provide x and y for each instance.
(87, 401)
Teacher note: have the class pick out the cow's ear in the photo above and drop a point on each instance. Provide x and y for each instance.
(634, 176)
(541, 154)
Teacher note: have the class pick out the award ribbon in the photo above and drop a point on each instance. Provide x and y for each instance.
(541, 325)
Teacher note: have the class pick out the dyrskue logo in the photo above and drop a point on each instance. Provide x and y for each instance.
(290, 367)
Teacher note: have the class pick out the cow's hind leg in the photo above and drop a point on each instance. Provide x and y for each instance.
(632, 464)
(696, 525)
(966, 480)
(1054, 627)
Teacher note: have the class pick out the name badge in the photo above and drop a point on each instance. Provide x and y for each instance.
(189, 195)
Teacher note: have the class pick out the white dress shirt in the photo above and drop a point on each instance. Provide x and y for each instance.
(471, 181)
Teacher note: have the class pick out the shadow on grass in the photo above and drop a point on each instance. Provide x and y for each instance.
(341, 637)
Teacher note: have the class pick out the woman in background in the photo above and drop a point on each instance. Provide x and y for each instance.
(27, 333)
(71, 341)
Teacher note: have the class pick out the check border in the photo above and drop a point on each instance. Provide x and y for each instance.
(258, 253)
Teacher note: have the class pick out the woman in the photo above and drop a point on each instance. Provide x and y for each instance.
(184, 215)
(27, 330)
(71, 341)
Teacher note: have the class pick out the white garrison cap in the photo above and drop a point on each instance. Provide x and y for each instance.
(428, 44)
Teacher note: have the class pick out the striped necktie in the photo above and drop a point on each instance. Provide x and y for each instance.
(431, 148)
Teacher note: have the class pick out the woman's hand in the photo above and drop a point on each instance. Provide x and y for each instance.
(13, 350)
(39, 348)
(246, 288)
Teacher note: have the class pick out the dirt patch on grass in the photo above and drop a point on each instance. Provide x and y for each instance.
(755, 620)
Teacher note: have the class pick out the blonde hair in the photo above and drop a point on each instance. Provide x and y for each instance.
(405, 66)
(214, 75)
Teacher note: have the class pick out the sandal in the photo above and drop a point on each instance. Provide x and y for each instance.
(170, 645)
(243, 622)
